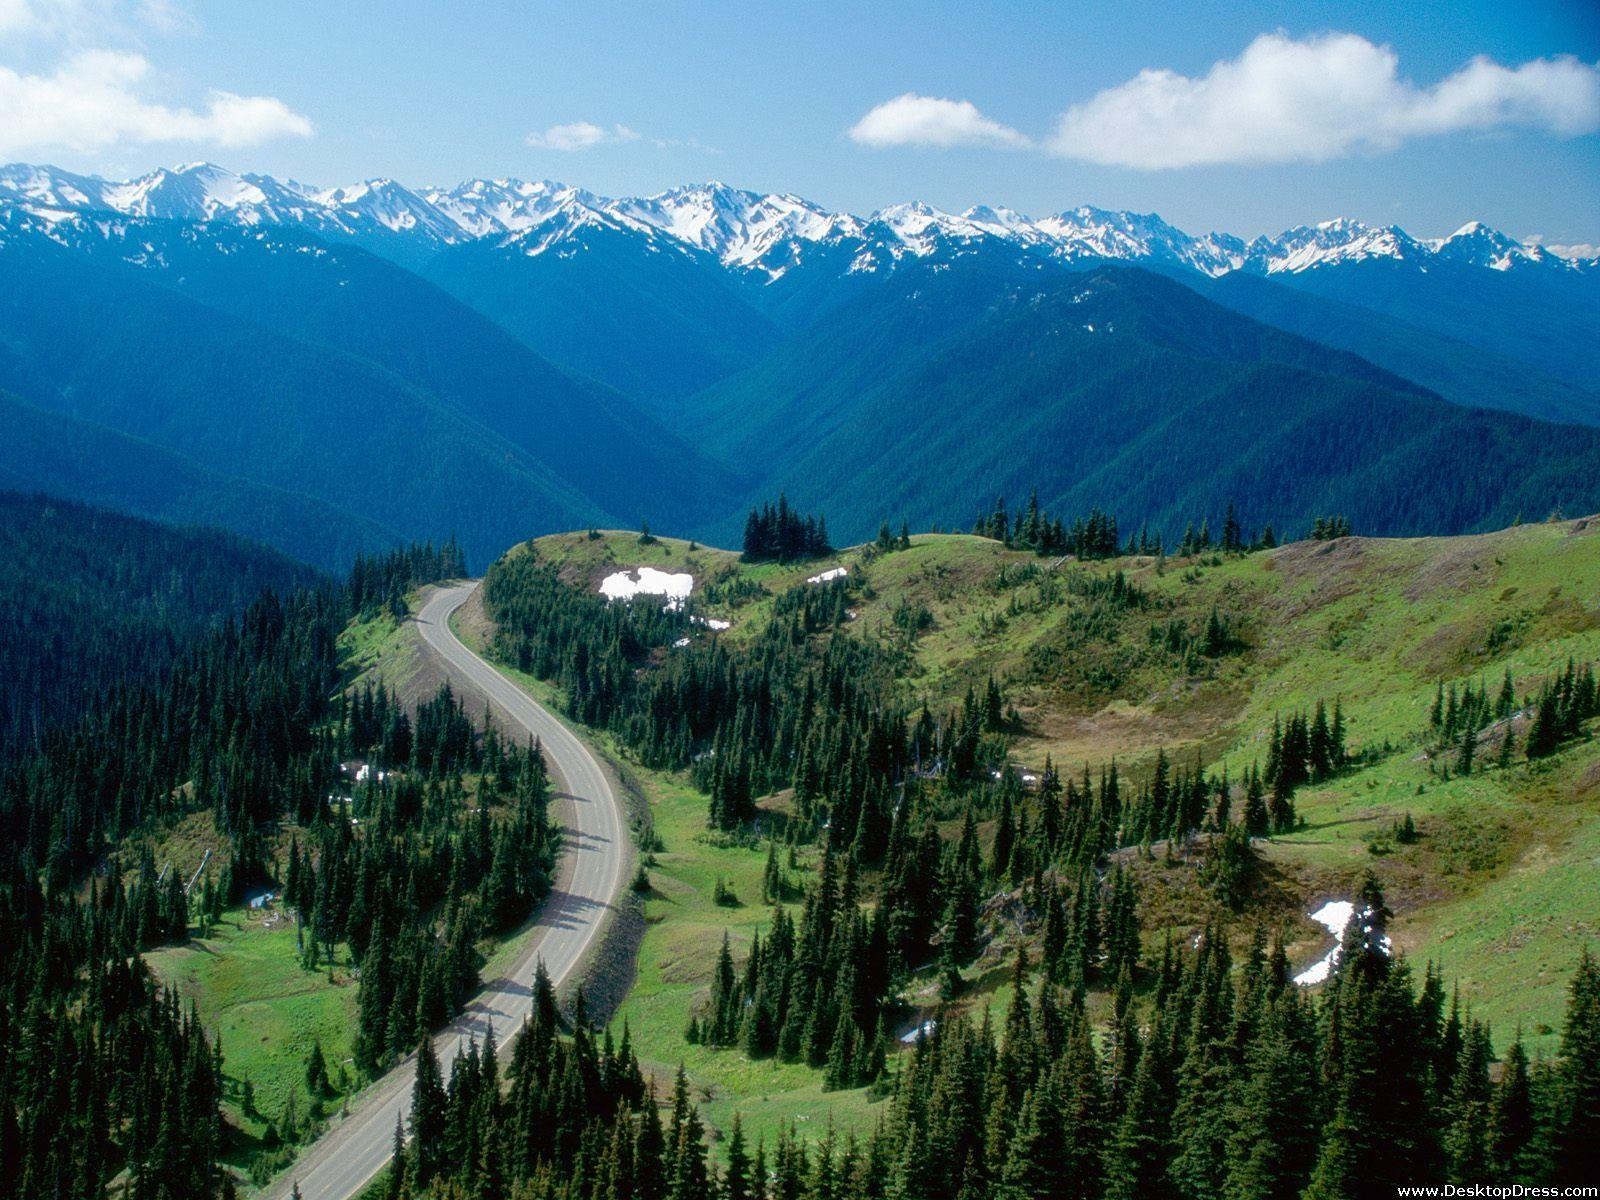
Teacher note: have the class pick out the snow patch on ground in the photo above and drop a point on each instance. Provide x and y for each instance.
(712, 623)
(918, 1031)
(1335, 916)
(829, 576)
(647, 581)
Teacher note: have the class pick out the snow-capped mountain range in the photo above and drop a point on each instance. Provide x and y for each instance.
(745, 231)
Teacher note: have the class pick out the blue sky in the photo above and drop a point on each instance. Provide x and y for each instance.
(1320, 109)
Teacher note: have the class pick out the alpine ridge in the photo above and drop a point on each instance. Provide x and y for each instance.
(587, 360)
(744, 230)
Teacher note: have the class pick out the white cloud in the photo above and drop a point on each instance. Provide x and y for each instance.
(694, 144)
(913, 120)
(93, 101)
(1325, 97)
(580, 135)
(88, 21)
(1573, 250)
(19, 16)
(167, 17)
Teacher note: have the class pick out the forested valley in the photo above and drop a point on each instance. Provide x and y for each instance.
(101, 602)
(1121, 1065)
(561, 682)
(1200, 1071)
(108, 1085)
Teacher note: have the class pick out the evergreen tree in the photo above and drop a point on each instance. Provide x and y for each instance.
(1511, 1121)
(1577, 1142)
(428, 1117)
(736, 1180)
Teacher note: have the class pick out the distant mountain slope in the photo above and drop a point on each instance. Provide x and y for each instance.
(1545, 317)
(1122, 389)
(96, 601)
(601, 445)
(107, 344)
(1460, 371)
(902, 362)
(64, 456)
(283, 362)
(660, 295)
(650, 318)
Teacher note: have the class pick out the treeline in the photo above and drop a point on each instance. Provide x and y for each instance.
(100, 602)
(568, 1117)
(1301, 751)
(251, 724)
(820, 715)
(777, 533)
(1231, 1081)
(1219, 1078)
(101, 1076)
(1459, 717)
(822, 990)
(1456, 712)
(1564, 704)
(1090, 537)
(812, 992)
(464, 863)
(1326, 529)
(786, 710)
(1095, 536)
(382, 580)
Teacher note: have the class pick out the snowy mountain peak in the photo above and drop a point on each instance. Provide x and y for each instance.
(741, 228)
(999, 218)
(1478, 245)
(763, 233)
(1343, 240)
(194, 192)
(1343, 226)
(50, 187)
(481, 208)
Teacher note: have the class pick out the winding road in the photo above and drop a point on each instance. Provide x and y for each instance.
(589, 876)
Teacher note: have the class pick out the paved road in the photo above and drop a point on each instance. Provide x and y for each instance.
(588, 879)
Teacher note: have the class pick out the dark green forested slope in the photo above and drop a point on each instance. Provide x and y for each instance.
(595, 440)
(97, 601)
(1543, 317)
(651, 320)
(1121, 388)
(330, 374)
(107, 1086)
(364, 396)
(109, 344)
(1458, 370)
(57, 454)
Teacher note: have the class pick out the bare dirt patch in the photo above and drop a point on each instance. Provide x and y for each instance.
(1130, 733)
(1321, 562)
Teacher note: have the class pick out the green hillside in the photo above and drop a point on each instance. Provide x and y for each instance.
(1493, 888)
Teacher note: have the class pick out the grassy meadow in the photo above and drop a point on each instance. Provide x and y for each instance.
(1498, 888)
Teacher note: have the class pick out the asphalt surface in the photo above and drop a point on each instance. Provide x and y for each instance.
(589, 876)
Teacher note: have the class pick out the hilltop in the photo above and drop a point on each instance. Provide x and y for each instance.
(1492, 886)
